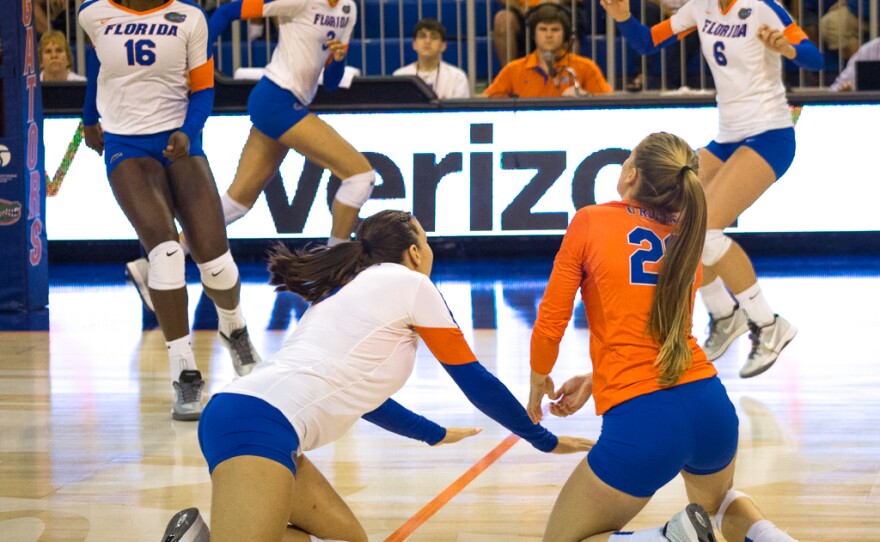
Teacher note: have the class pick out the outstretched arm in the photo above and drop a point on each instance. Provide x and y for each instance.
(394, 417)
(646, 40)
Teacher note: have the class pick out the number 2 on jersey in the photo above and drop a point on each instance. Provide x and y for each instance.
(650, 254)
(140, 52)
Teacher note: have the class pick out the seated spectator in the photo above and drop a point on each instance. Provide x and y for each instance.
(551, 69)
(429, 42)
(846, 80)
(56, 58)
(839, 27)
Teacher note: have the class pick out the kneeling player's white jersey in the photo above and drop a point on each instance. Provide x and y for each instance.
(150, 61)
(748, 75)
(305, 27)
(353, 350)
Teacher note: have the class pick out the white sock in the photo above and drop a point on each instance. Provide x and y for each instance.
(333, 241)
(765, 531)
(717, 299)
(647, 535)
(180, 357)
(229, 320)
(232, 210)
(752, 301)
(314, 538)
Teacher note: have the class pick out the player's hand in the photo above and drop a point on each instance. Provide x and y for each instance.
(178, 146)
(455, 434)
(776, 41)
(540, 385)
(846, 86)
(573, 445)
(617, 9)
(337, 49)
(573, 395)
(94, 136)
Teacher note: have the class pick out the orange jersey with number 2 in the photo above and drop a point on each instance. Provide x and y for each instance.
(612, 253)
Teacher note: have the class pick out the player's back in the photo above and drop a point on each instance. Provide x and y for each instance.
(622, 249)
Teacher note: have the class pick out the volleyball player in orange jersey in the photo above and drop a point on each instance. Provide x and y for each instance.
(663, 408)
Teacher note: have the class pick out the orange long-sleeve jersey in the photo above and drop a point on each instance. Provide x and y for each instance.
(612, 253)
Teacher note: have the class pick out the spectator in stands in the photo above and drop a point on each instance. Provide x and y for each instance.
(429, 42)
(839, 27)
(551, 69)
(846, 80)
(56, 58)
(51, 13)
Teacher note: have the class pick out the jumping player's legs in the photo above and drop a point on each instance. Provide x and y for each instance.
(259, 161)
(320, 143)
(747, 172)
(143, 191)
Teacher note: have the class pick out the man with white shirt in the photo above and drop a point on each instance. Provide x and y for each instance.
(847, 78)
(429, 42)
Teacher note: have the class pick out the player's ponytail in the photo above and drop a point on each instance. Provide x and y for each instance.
(314, 272)
(669, 172)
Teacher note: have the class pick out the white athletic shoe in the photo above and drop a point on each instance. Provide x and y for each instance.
(722, 332)
(138, 271)
(690, 525)
(188, 396)
(244, 355)
(187, 526)
(767, 343)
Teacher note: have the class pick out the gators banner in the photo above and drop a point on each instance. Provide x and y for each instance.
(23, 261)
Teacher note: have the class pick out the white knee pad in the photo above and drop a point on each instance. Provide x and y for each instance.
(715, 247)
(731, 496)
(232, 210)
(356, 190)
(167, 266)
(220, 273)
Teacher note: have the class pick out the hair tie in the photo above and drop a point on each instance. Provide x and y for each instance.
(365, 246)
(683, 169)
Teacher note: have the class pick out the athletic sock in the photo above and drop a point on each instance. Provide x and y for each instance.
(333, 241)
(646, 535)
(752, 301)
(717, 299)
(180, 357)
(765, 531)
(229, 320)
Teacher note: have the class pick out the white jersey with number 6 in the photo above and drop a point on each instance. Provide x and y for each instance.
(304, 27)
(150, 61)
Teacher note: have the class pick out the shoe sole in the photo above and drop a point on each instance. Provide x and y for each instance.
(186, 417)
(131, 271)
(720, 352)
(701, 522)
(764, 368)
(194, 528)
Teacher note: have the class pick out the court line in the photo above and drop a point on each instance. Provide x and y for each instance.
(420, 517)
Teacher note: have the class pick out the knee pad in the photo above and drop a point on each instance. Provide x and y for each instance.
(167, 266)
(232, 210)
(220, 273)
(715, 247)
(731, 496)
(356, 190)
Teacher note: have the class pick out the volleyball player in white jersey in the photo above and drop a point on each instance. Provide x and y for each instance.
(150, 56)
(354, 347)
(313, 36)
(742, 41)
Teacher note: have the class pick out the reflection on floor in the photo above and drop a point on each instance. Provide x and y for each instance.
(88, 450)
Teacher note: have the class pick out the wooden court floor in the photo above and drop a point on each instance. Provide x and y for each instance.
(88, 451)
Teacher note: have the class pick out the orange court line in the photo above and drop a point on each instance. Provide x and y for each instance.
(454, 488)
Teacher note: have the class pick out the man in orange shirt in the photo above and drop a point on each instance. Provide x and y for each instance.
(551, 70)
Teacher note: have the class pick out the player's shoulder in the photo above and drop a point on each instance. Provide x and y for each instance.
(91, 8)
(182, 11)
(771, 6)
